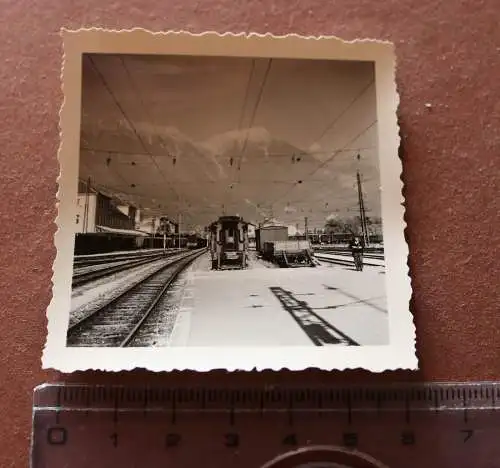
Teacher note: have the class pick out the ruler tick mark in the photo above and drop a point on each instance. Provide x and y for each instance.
(379, 402)
(407, 410)
(146, 402)
(173, 415)
(203, 399)
(115, 410)
(349, 408)
(58, 404)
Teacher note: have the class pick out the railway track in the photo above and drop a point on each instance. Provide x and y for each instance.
(117, 322)
(82, 261)
(94, 271)
(350, 261)
(377, 256)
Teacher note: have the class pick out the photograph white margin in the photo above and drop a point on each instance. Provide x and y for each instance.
(399, 354)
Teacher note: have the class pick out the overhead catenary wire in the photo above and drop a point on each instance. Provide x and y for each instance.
(149, 117)
(118, 194)
(129, 123)
(114, 169)
(237, 179)
(324, 132)
(284, 155)
(329, 127)
(323, 164)
(139, 97)
(194, 212)
(343, 112)
(247, 94)
(245, 143)
(254, 111)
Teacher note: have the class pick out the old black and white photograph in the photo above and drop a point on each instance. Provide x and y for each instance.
(224, 201)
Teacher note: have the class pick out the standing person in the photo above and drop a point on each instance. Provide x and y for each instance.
(356, 248)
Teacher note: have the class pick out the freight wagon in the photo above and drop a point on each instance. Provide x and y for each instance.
(273, 245)
(288, 254)
(269, 234)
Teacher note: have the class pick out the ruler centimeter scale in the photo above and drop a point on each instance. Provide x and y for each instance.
(393, 426)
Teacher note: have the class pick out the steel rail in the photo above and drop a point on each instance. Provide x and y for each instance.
(72, 328)
(80, 279)
(180, 268)
(346, 262)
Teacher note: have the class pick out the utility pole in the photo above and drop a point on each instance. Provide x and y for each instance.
(164, 229)
(153, 227)
(179, 230)
(305, 228)
(362, 212)
(86, 207)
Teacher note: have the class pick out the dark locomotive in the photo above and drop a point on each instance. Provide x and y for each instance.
(195, 241)
(228, 241)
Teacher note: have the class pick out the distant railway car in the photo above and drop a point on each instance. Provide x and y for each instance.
(195, 241)
(202, 242)
(192, 241)
(229, 243)
(273, 245)
(269, 234)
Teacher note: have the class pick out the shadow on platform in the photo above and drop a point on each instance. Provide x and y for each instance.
(316, 327)
(356, 299)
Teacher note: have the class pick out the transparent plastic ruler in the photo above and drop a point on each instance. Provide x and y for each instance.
(394, 426)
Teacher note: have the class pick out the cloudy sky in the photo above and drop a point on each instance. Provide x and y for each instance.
(206, 136)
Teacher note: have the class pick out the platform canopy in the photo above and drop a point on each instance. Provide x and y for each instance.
(203, 136)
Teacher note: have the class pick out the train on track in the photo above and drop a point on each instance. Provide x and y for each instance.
(272, 244)
(195, 241)
(228, 243)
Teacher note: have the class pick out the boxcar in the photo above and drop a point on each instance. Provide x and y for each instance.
(269, 234)
(228, 243)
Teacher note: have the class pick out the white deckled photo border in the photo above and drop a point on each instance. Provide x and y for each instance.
(398, 354)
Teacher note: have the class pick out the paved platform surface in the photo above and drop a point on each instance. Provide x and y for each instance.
(266, 306)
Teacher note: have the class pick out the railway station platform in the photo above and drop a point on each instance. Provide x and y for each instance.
(263, 305)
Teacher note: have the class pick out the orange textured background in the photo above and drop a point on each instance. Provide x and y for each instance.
(448, 56)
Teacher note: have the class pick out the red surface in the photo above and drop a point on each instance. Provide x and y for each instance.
(448, 56)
